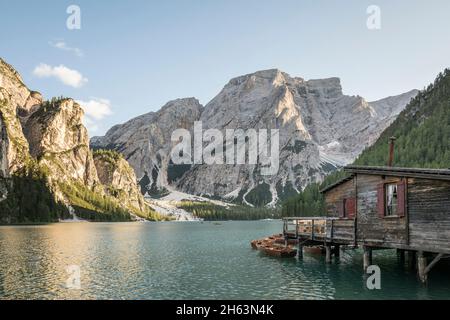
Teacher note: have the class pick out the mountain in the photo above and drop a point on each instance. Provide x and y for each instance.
(422, 132)
(48, 171)
(58, 138)
(320, 130)
(145, 141)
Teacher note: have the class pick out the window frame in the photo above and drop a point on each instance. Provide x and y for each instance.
(389, 211)
(400, 200)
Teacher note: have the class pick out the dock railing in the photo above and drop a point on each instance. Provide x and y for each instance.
(319, 229)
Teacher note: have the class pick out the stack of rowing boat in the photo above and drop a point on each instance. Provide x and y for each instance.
(275, 246)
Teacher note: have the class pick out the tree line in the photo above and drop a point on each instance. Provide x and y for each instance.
(423, 141)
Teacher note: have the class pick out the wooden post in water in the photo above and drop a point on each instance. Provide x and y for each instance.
(411, 259)
(401, 256)
(422, 266)
(327, 253)
(367, 257)
(300, 250)
(337, 251)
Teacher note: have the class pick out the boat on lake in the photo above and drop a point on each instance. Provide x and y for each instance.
(273, 246)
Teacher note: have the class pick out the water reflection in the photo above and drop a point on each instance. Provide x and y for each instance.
(187, 261)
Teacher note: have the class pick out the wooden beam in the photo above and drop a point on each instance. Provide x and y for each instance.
(433, 263)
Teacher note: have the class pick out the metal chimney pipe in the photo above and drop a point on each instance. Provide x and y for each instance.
(391, 151)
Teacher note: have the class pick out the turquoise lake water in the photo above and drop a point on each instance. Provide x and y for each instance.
(189, 260)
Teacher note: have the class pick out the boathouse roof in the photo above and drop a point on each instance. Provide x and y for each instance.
(433, 174)
(339, 182)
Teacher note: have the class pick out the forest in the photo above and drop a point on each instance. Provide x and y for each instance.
(212, 212)
(422, 133)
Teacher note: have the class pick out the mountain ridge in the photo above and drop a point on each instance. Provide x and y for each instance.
(321, 129)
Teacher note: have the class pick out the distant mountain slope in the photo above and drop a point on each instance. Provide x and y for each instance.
(423, 140)
(320, 129)
(422, 131)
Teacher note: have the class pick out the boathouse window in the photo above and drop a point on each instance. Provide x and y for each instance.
(391, 200)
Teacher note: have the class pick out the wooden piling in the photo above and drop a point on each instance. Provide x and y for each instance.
(300, 251)
(411, 259)
(401, 256)
(328, 254)
(337, 251)
(367, 257)
(422, 267)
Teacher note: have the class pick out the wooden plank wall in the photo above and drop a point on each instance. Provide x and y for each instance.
(335, 197)
(371, 228)
(429, 214)
(343, 230)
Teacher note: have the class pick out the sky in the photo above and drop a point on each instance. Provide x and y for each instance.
(131, 57)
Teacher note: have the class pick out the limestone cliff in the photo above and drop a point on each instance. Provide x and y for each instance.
(47, 170)
(4, 164)
(58, 138)
(146, 140)
(119, 178)
(14, 145)
(21, 98)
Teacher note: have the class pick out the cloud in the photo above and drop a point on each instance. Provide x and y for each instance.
(67, 76)
(61, 45)
(94, 110)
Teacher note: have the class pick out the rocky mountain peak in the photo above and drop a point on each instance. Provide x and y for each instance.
(21, 97)
(58, 137)
(326, 88)
(145, 141)
(259, 81)
(188, 103)
(56, 126)
(320, 129)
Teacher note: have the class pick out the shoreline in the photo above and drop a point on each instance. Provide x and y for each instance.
(146, 221)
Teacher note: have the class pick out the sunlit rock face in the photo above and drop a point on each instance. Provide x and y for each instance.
(320, 129)
(21, 98)
(46, 140)
(146, 140)
(59, 139)
(119, 178)
(14, 98)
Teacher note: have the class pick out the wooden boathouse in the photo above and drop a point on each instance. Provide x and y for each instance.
(383, 208)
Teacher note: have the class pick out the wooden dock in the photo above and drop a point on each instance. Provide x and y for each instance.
(375, 208)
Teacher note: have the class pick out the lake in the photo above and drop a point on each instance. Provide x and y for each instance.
(188, 260)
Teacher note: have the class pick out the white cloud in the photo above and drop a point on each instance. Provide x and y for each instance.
(61, 45)
(95, 109)
(67, 76)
